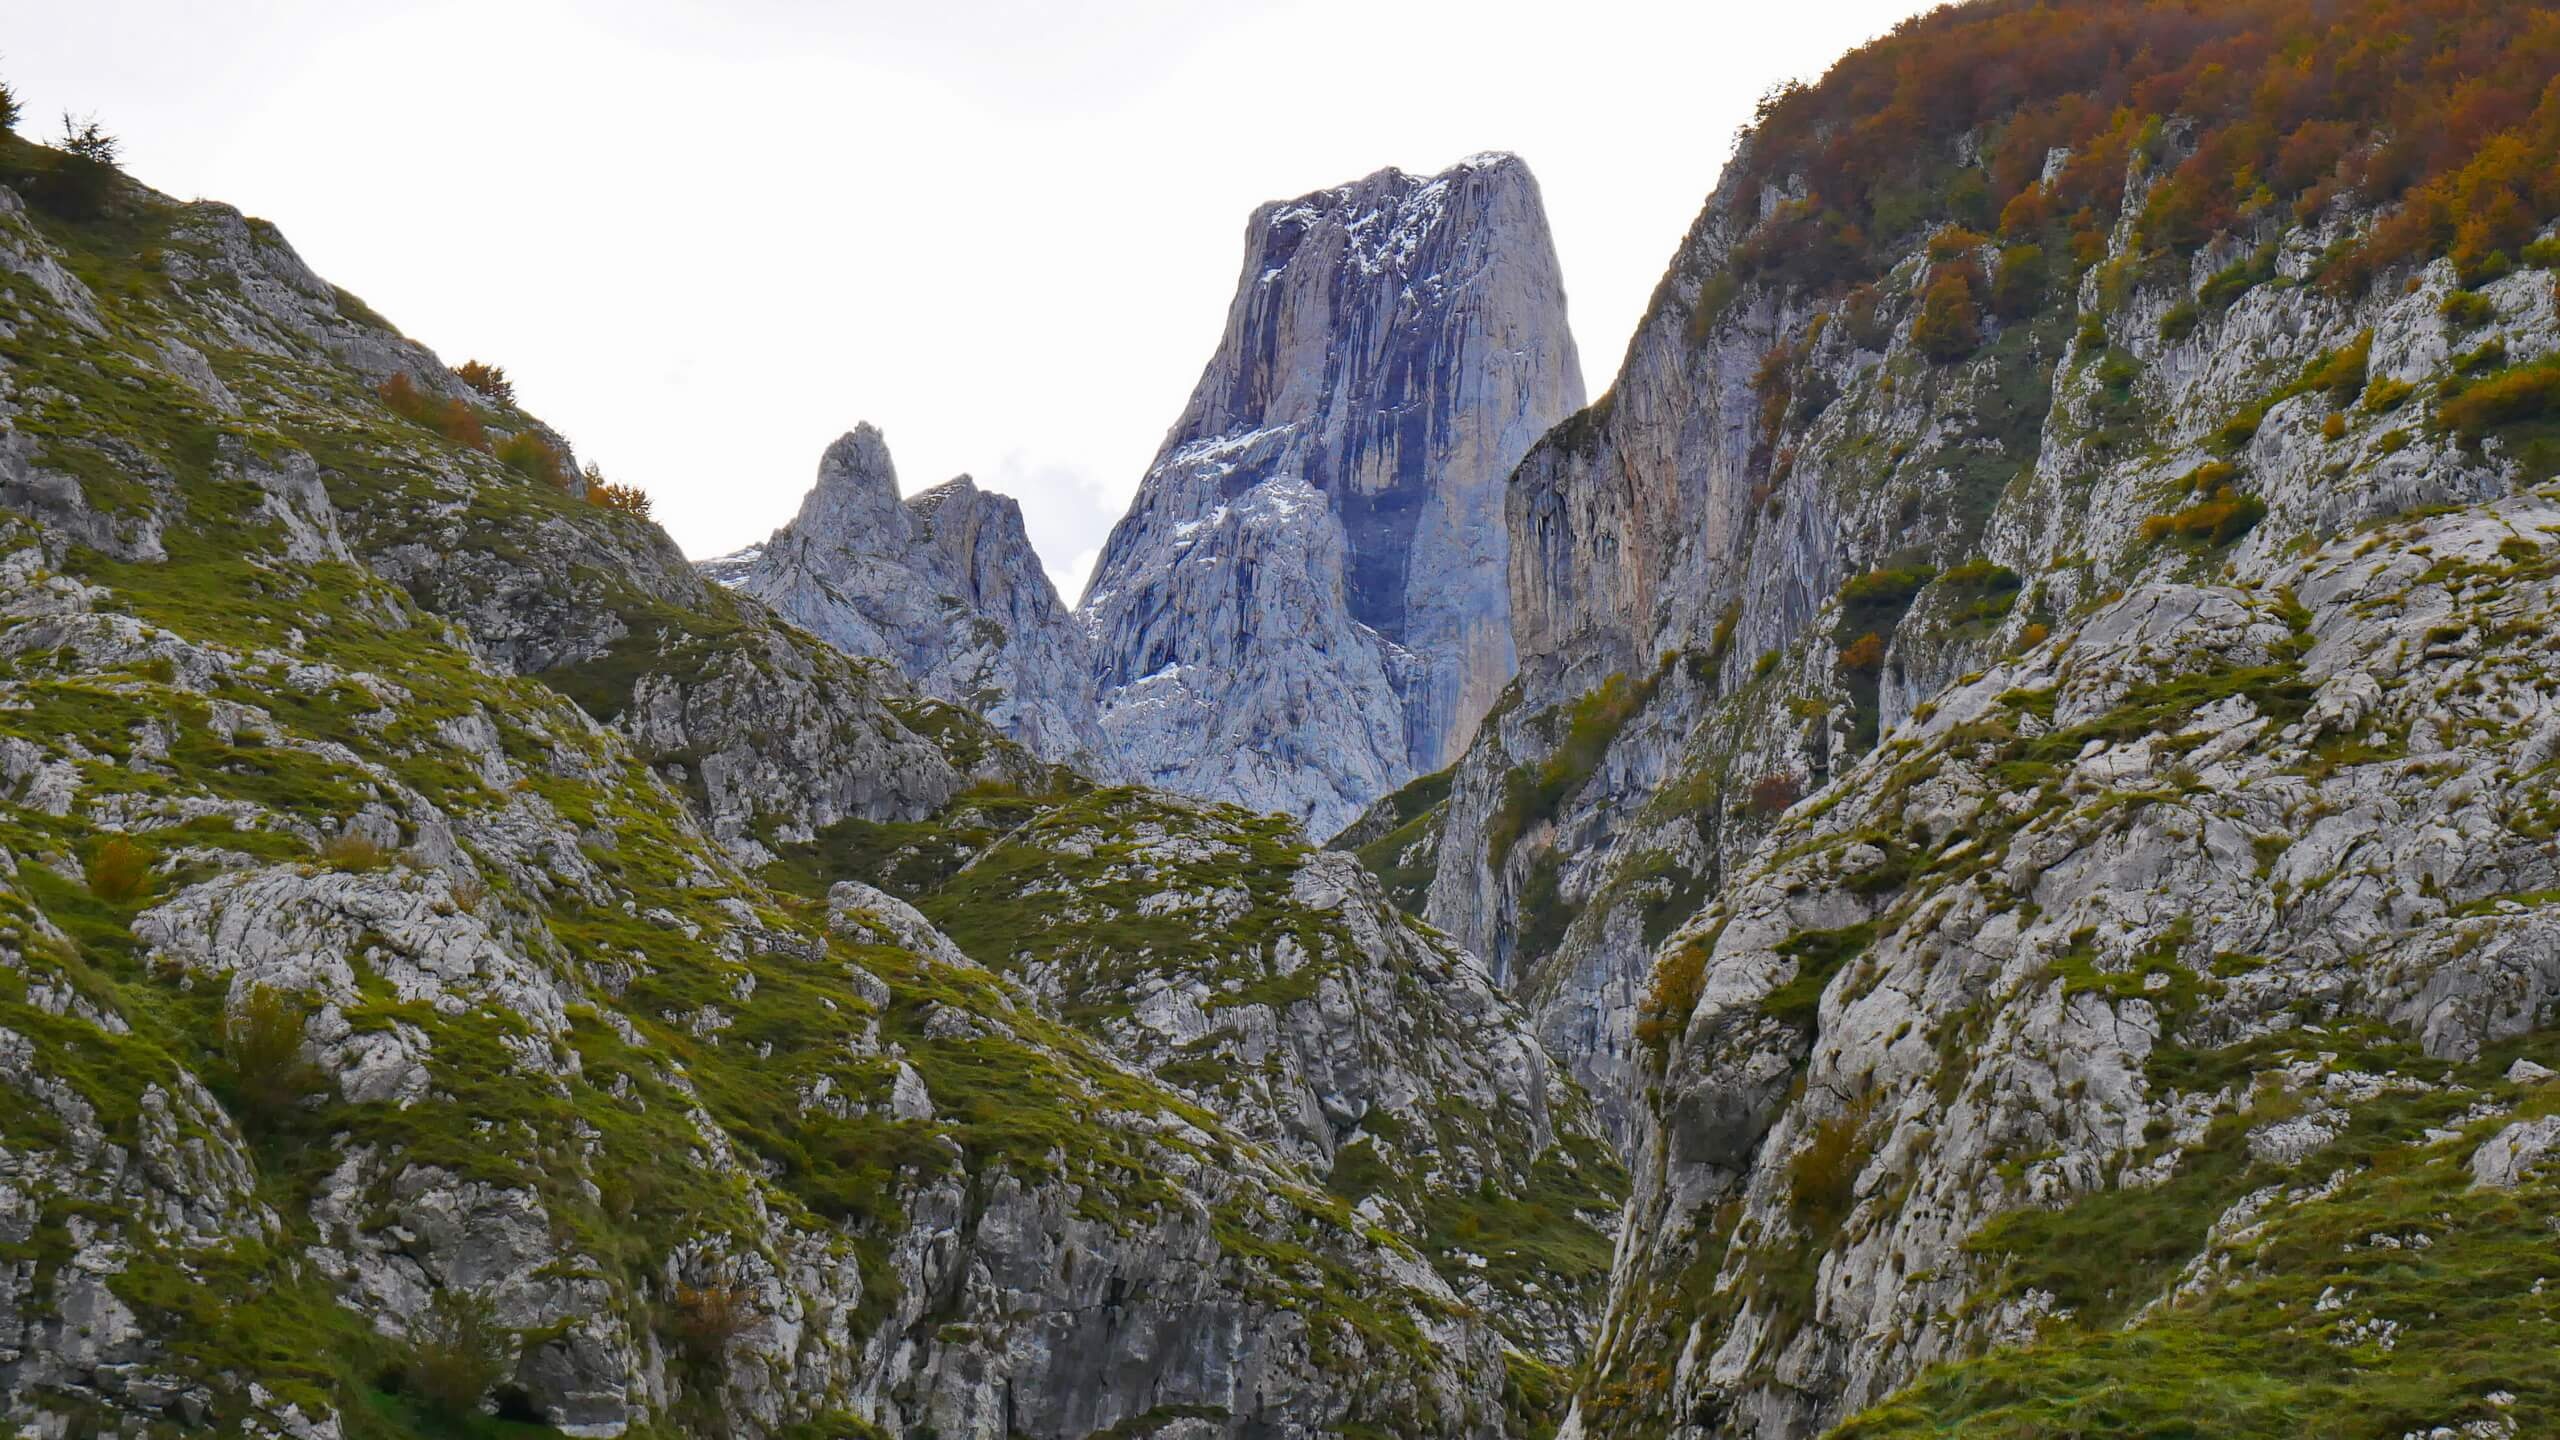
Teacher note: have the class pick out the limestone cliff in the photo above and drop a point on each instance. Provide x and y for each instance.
(2020, 794)
(1307, 601)
(944, 585)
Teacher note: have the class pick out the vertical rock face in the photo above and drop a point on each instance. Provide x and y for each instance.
(1307, 603)
(943, 584)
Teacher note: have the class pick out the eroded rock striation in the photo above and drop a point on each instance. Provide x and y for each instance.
(1307, 602)
(944, 585)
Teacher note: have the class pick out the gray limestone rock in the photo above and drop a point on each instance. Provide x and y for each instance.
(943, 585)
(1306, 604)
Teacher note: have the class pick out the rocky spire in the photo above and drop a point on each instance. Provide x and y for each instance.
(1306, 604)
(944, 584)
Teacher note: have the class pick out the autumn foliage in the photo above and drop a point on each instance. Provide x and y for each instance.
(2525, 393)
(489, 380)
(628, 499)
(2219, 519)
(1771, 794)
(2447, 112)
(1679, 978)
(1950, 323)
(443, 414)
(119, 871)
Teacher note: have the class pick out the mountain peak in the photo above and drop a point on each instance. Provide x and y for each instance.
(1396, 344)
(942, 584)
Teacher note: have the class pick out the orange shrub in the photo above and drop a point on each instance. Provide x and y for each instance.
(1679, 977)
(2526, 393)
(489, 380)
(1771, 794)
(1955, 242)
(120, 871)
(629, 499)
(2224, 518)
(443, 414)
(1950, 325)
(2025, 213)
(1865, 655)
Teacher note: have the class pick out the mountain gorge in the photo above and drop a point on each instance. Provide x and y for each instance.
(1968, 851)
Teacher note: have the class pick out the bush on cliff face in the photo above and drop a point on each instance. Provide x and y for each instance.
(706, 1319)
(489, 380)
(1591, 724)
(609, 495)
(262, 1045)
(458, 1355)
(2525, 393)
(2018, 288)
(1950, 324)
(1679, 977)
(1772, 794)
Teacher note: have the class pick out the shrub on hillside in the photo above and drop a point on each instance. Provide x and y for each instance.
(2468, 309)
(534, 458)
(1822, 1179)
(2017, 288)
(628, 499)
(1861, 313)
(458, 1354)
(489, 380)
(443, 414)
(263, 1064)
(2528, 392)
(2225, 517)
(119, 871)
(79, 177)
(1771, 794)
(1679, 978)
(1950, 325)
(706, 1318)
(355, 851)
(2341, 372)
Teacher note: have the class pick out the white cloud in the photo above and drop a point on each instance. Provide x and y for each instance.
(706, 239)
(1071, 580)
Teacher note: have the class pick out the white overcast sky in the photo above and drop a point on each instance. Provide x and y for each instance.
(706, 238)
